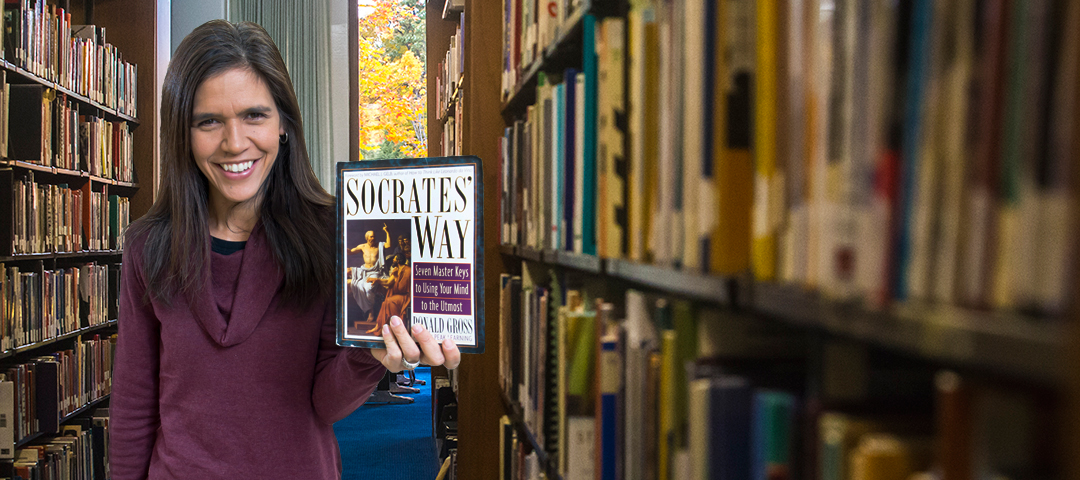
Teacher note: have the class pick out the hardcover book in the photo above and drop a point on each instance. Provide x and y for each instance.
(410, 244)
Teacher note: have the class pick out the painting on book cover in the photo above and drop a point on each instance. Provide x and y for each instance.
(410, 244)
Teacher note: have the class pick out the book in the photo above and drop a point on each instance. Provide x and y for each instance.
(7, 420)
(408, 245)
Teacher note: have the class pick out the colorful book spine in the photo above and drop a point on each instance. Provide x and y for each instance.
(734, 165)
(588, 209)
(768, 184)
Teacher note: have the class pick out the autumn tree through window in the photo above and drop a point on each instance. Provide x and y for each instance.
(392, 79)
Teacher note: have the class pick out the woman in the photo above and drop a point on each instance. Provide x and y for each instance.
(226, 364)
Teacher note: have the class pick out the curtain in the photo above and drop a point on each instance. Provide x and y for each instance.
(308, 42)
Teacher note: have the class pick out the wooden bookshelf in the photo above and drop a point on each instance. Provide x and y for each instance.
(133, 28)
(44, 345)
(1008, 348)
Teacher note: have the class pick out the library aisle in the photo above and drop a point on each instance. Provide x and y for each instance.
(390, 441)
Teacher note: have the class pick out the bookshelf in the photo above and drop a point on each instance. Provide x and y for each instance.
(477, 105)
(753, 255)
(97, 171)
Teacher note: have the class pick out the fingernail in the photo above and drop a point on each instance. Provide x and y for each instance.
(395, 321)
(448, 343)
(417, 328)
(386, 329)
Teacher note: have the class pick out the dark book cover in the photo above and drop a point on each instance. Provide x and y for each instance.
(25, 136)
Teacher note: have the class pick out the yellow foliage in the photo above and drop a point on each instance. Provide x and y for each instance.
(394, 90)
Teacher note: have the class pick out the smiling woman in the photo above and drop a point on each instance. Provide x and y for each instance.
(235, 139)
(226, 361)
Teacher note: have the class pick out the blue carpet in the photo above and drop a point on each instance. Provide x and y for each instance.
(390, 441)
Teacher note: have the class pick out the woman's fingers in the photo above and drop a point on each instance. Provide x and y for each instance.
(409, 350)
(432, 354)
(392, 359)
(451, 354)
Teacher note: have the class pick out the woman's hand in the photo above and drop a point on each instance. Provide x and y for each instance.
(400, 345)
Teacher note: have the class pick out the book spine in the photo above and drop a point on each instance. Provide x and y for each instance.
(589, 162)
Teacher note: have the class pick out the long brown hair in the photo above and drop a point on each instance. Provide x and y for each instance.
(295, 212)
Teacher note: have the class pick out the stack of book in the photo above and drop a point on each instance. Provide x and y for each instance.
(40, 39)
(874, 151)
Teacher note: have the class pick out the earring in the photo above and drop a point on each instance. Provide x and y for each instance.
(284, 138)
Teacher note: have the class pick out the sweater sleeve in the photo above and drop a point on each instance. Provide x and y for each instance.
(344, 376)
(134, 403)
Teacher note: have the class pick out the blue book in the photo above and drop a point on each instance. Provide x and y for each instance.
(919, 58)
(610, 373)
(589, 61)
(569, 79)
(729, 438)
(558, 222)
(774, 418)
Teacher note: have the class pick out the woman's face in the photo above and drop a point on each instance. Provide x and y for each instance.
(235, 134)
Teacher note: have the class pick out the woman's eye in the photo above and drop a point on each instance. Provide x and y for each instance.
(257, 116)
(206, 123)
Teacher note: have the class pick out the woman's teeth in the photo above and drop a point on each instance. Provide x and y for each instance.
(237, 167)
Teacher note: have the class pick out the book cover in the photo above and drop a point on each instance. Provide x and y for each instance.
(408, 246)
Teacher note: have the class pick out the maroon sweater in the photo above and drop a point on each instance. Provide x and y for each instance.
(237, 386)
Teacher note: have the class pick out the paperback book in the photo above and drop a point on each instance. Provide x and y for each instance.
(410, 244)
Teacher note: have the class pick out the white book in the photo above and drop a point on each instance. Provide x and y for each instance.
(693, 127)
(1057, 211)
(957, 84)
(700, 404)
(641, 341)
(558, 159)
(7, 420)
(667, 228)
(874, 224)
(579, 160)
(818, 212)
(581, 446)
(635, 113)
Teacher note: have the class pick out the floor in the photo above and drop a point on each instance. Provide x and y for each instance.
(390, 441)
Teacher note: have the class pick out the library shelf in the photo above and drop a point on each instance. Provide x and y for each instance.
(514, 411)
(530, 253)
(554, 57)
(450, 7)
(60, 255)
(1005, 343)
(110, 113)
(22, 442)
(577, 261)
(67, 336)
(695, 286)
(85, 408)
(66, 173)
(27, 439)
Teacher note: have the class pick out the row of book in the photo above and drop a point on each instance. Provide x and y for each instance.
(41, 39)
(41, 304)
(530, 26)
(51, 387)
(451, 69)
(871, 150)
(54, 218)
(664, 391)
(452, 133)
(50, 129)
(79, 452)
